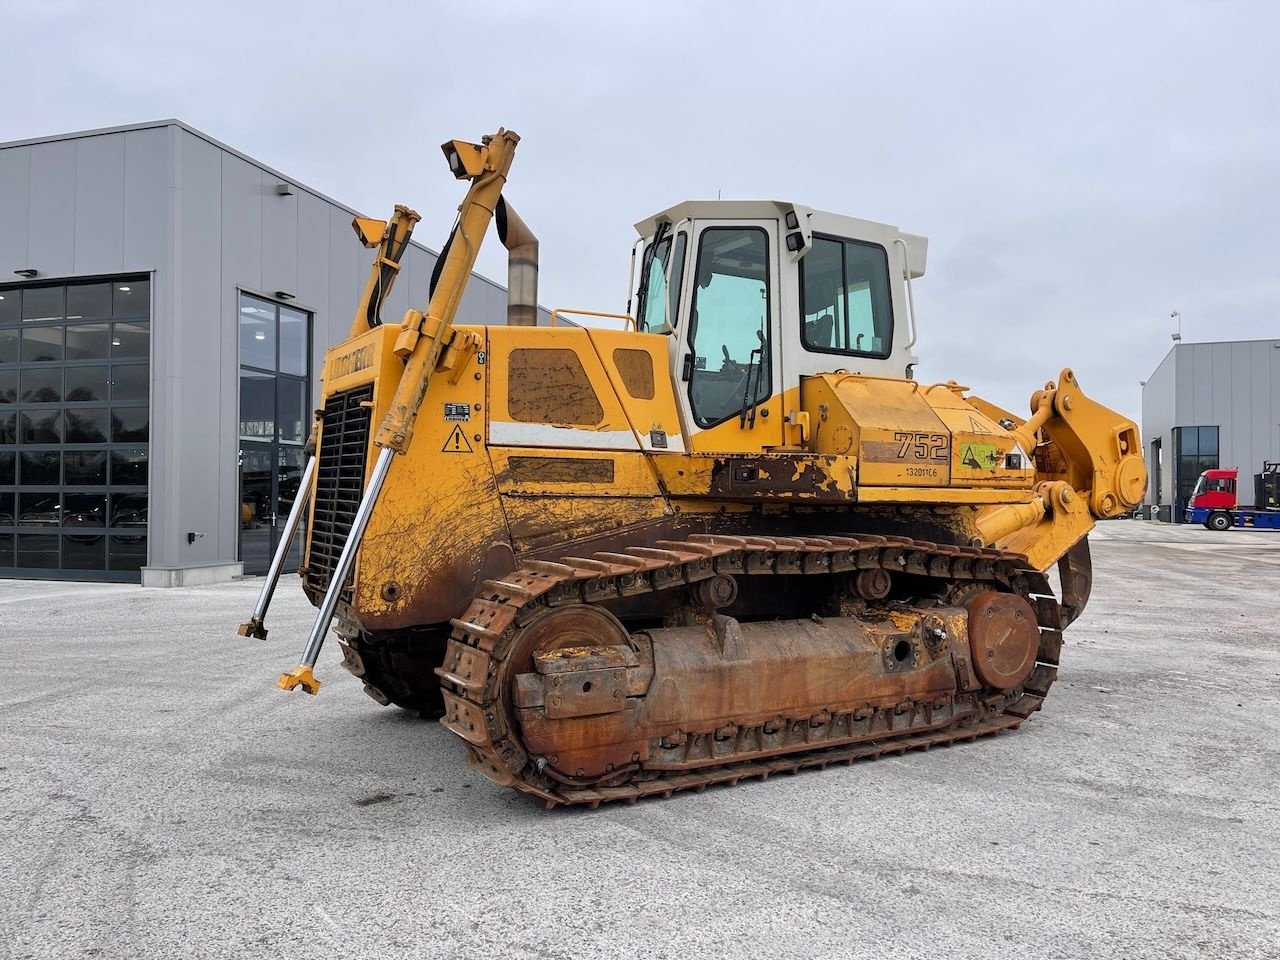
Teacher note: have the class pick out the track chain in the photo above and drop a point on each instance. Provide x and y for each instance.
(474, 687)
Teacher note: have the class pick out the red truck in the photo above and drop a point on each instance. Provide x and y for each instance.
(1215, 504)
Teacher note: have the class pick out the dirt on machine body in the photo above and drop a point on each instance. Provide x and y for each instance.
(733, 538)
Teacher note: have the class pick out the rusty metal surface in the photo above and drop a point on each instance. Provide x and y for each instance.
(619, 755)
(1075, 569)
(1003, 637)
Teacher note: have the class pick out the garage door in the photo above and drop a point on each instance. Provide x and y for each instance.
(74, 428)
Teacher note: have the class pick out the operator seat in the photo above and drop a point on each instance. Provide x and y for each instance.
(817, 333)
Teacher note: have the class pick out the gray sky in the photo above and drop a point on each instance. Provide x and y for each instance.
(1081, 169)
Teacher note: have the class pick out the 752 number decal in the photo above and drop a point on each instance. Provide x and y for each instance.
(923, 446)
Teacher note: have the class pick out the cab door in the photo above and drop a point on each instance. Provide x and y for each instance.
(725, 348)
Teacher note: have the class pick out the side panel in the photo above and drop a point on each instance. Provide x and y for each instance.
(550, 389)
(552, 402)
(439, 528)
(638, 366)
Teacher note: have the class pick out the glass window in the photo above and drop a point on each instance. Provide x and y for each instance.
(41, 343)
(292, 419)
(128, 509)
(88, 300)
(661, 304)
(41, 385)
(86, 384)
(257, 333)
(129, 467)
(6, 509)
(1188, 445)
(41, 426)
(131, 298)
(38, 550)
(6, 549)
(39, 468)
(257, 406)
(84, 468)
(729, 330)
(8, 468)
(130, 340)
(84, 510)
(84, 552)
(129, 424)
(1208, 440)
(43, 303)
(10, 301)
(130, 381)
(8, 386)
(88, 341)
(9, 346)
(8, 429)
(87, 426)
(39, 509)
(844, 298)
(653, 306)
(127, 552)
(293, 341)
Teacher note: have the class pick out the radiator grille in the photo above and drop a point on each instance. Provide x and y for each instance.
(344, 450)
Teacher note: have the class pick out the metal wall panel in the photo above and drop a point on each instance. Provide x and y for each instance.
(348, 264)
(196, 419)
(15, 203)
(313, 276)
(146, 202)
(241, 223)
(1158, 403)
(50, 245)
(1235, 439)
(279, 238)
(99, 205)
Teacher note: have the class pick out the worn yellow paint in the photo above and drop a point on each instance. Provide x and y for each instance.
(504, 341)
(944, 495)
(439, 512)
(787, 477)
(633, 474)
(644, 415)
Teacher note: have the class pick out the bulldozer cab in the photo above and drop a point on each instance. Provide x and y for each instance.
(755, 295)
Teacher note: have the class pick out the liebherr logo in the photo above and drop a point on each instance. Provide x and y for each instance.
(352, 362)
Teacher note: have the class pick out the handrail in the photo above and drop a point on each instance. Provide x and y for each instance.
(631, 321)
(911, 302)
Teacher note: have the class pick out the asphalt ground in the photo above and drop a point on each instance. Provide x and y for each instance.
(161, 798)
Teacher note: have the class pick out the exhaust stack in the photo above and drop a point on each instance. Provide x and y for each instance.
(522, 266)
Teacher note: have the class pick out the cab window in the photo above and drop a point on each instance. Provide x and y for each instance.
(658, 309)
(728, 366)
(844, 298)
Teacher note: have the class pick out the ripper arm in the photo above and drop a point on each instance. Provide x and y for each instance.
(1088, 467)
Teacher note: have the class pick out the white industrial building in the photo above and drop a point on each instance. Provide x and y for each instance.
(165, 305)
(1210, 405)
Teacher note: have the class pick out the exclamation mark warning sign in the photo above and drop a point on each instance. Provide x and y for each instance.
(457, 442)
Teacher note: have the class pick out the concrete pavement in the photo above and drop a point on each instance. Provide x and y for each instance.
(162, 799)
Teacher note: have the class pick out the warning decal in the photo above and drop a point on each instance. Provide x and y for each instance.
(457, 442)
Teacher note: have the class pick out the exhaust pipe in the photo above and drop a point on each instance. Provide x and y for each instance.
(522, 266)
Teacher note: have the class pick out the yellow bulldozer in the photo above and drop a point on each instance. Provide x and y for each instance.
(733, 538)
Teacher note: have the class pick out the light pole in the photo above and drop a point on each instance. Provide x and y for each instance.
(1175, 315)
